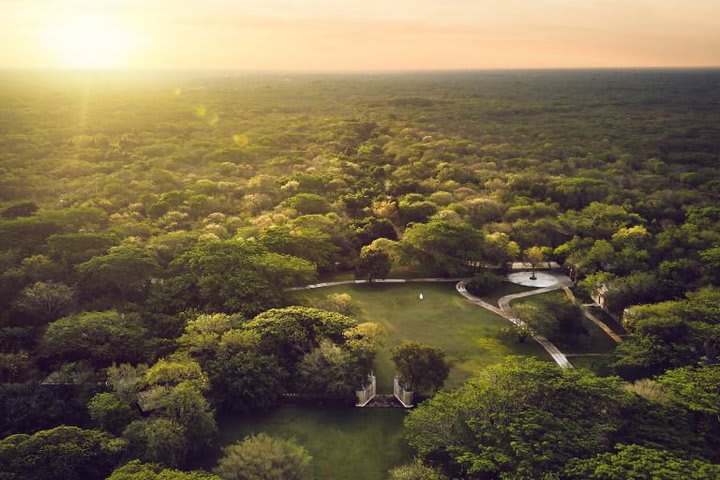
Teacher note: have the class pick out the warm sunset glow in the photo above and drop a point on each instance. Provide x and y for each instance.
(353, 36)
(90, 41)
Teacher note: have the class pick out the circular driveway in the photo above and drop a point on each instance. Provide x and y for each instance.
(543, 279)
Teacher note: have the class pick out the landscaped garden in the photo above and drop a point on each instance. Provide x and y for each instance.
(471, 336)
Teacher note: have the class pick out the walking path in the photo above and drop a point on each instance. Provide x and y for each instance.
(379, 280)
(505, 312)
(603, 326)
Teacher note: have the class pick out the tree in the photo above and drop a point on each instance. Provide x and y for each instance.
(342, 303)
(534, 255)
(126, 268)
(75, 248)
(306, 242)
(330, 371)
(671, 334)
(634, 289)
(291, 332)
(136, 470)
(307, 204)
(110, 412)
(101, 337)
(219, 276)
(370, 229)
(498, 249)
(203, 333)
(61, 453)
(373, 263)
(416, 471)
(126, 380)
(26, 233)
(16, 367)
(422, 368)
(536, 319)
(157, 440)
(185, 405)
(174, 370)
(285, 271)
(484, 282)
(262, 457)
(638, 462)
(46, 301)
(518, 419)
(694, 388)
(245, 381)
(22, 209)
(442, 246)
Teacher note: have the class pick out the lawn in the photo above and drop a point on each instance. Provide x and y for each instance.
(344, 442)
(505, 288)
(471, 336)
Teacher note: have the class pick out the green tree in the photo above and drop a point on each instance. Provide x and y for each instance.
(285, 271)
(372, 264)
(157, 440)
(245, 381)
(536, 319)
(185, 405)
(136, 470)
(126, 380)
(534, 256)
(422, 368)
(694, 388)
(26, 233)
(46, 301)
(110, 412)
(291, 332)
(330, 370)
(415, 471)
(75, 248)
(484, 282)
(61, 453)
(638, 462)
(219, 276)
(262, 457)
(202, 334)
(126, 268)
(441, 246)
(518, 419)
(306, 242)
(101, 337)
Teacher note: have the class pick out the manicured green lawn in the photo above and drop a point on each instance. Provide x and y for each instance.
(506, 288)
(345, 443)
(470, 335)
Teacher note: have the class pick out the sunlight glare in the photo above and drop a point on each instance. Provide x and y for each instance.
(91, 41)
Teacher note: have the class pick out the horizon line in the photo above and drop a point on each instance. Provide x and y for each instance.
(226, 70)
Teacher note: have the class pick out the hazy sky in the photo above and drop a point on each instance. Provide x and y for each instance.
(359, 34)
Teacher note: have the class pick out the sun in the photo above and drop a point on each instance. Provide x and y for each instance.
(91, 41)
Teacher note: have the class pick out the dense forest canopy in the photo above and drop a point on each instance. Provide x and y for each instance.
(150, 225)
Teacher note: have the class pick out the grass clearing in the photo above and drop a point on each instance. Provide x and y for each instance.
(344, 442)
(471, 336)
